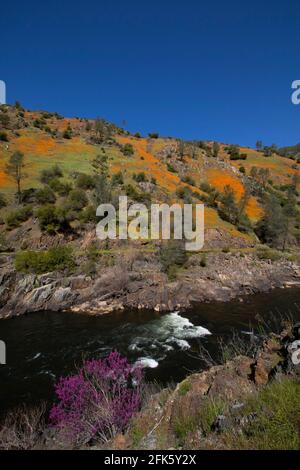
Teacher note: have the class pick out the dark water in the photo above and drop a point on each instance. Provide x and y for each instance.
(43, 346)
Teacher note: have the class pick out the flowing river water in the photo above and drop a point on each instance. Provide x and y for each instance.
(43, 346)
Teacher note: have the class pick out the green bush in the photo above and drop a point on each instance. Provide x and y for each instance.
(239, 156)
(131, 192)
(117, 179)
(3, 202)
(88, 215)
(84, 181)
(172, 254)
(203, 260)
(59, 187)
(3, 136)
(140, 177)
(77, 199)
(206, 187)
(38, 262)
(171, 168)
(54, 172)
(45, 196)
(15, 217)
(127, 150)
(67, 134)
(269, 254)
(188, 180)
(52, 219)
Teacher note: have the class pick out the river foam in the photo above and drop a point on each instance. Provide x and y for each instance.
(161, 336)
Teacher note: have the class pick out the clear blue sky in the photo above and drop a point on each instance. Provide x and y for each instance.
(218, 70)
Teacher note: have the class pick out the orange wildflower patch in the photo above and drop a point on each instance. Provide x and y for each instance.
(36, 145)
(219, 179)
(4, 179)
(150, 164)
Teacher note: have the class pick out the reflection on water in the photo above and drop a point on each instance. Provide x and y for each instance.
(43, 346)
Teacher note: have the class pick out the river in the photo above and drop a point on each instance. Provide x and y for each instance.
(45, 345)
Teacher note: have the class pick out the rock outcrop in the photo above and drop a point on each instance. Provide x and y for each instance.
(143, 286)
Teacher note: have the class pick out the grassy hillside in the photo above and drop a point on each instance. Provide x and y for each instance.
(169, 165)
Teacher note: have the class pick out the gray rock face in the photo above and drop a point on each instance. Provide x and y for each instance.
(62, 295)
(37, 297)
(225, 276)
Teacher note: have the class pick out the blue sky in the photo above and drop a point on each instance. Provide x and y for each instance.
(218, 70)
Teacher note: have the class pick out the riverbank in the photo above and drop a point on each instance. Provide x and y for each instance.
(142, 285)
(248, 400)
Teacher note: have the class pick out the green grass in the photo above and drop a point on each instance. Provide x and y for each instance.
(184, 387)
(277, 425)
(209, 411)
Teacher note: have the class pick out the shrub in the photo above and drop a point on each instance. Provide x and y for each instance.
(84, 181)
(153, 135)
(117, 179)
(88, 214)
(22, 428)
(172, 253)
(140, 177)
(47, 217)
(244, 223)
(188, 180)
(3, 202)
(67, 134)
(268, 253)
(131, 192)
(4, 120)
(98, 401)
(77, 199)
(203, 260)
(54, 172)
(171, 168)
(180, 192)
(45, 195)
(15, 217)
(238, 156)
(127, 150)
(184, 193)
(52, 219)
(38, 262)
(3, 136)
(62, 189)
(206, 187)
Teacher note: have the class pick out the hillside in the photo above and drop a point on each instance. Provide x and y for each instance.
(70, 166)
(47, 139)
